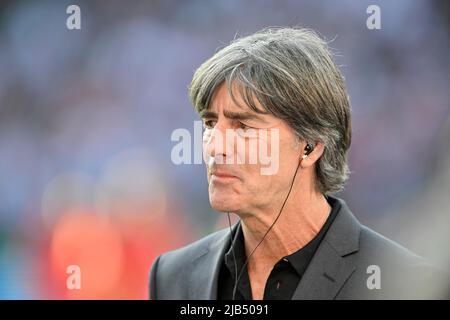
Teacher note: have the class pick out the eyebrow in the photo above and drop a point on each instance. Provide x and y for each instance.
(232, 115)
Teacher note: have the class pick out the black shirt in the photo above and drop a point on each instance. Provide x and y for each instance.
(285, 275)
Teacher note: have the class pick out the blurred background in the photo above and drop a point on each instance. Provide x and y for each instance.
(86, 117)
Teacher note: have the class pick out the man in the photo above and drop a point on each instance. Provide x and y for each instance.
(279, 90)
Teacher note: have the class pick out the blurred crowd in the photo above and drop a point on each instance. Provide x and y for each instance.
(86, 118)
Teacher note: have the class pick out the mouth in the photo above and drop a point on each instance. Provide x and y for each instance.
(222, 177)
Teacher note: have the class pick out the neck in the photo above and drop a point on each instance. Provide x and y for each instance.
(298, 224)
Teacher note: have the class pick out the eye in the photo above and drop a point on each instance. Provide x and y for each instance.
(244, 126)
(246, 131)
(209, 124)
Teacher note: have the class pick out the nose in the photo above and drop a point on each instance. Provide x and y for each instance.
(216, 144)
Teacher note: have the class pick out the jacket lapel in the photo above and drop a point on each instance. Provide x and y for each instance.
(206, 267)
(333, 263)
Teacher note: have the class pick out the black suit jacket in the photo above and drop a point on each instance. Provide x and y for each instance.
(352, 262)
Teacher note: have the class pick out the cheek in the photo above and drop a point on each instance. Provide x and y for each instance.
(248, 150)
(206, 156)
(205, 143)
(206, 134)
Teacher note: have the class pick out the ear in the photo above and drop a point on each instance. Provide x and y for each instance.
(310, 159)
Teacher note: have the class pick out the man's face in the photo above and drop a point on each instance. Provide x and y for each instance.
(249, 169)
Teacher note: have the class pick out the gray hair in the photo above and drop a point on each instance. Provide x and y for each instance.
(290, 72)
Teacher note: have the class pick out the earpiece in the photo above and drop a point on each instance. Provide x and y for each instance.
(308, 149)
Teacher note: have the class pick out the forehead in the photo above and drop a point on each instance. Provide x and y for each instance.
(235, 108)
(222, 99)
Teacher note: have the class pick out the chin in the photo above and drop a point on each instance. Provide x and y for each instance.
(224, 204)
(223, 207)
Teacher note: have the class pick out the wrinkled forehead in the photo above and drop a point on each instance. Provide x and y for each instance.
(235, 97)
(224, 105)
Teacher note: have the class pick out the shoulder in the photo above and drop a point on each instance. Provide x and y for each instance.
(193, 250)
(399, 272)
(348, 235)
(173, 268)
(378, 246)
(403, 273)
